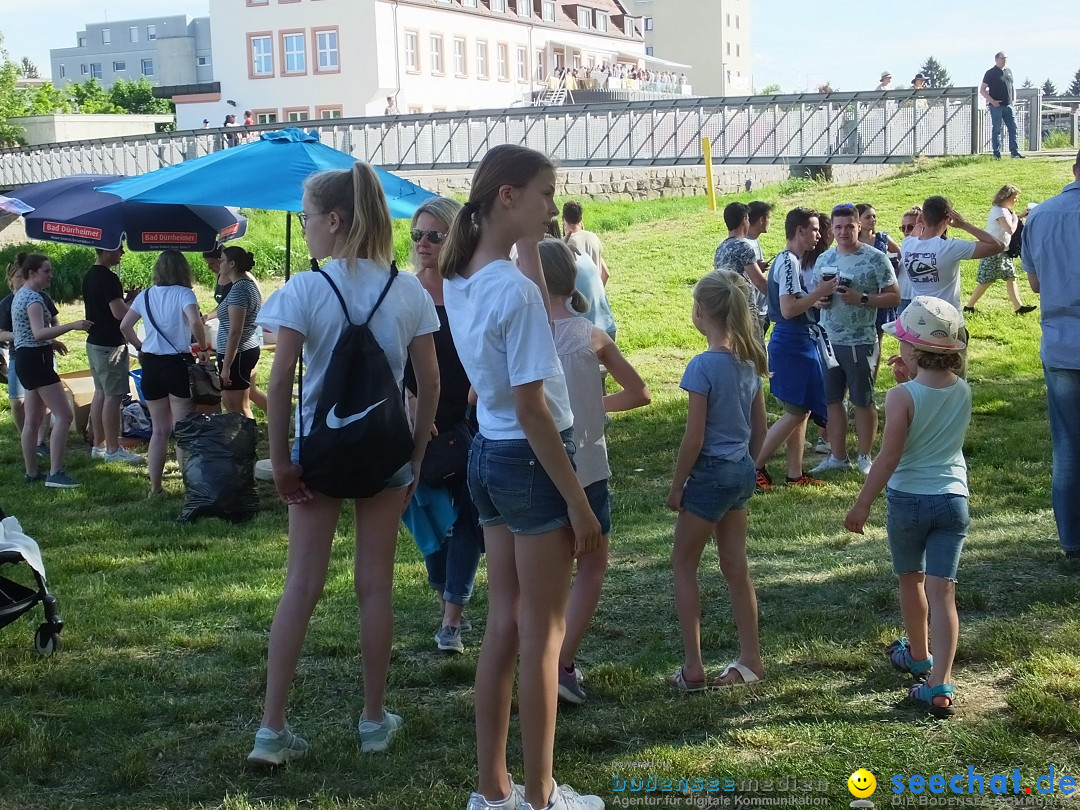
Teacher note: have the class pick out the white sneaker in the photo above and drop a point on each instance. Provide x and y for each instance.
(863, 462)
(822, 447)
(122, 454)
(97, 452)
(512, 802)
(831, 462)
(564, 797)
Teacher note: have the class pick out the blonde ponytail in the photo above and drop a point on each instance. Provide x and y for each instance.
(724, 299)
(357, 197)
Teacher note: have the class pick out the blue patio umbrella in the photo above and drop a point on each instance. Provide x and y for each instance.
(268, 173)
(73, 209)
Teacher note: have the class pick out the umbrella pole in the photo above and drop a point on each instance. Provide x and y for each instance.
(288, 243)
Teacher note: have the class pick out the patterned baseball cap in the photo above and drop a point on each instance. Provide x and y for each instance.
(929, 324)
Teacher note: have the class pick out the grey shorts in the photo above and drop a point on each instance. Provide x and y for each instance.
(855, 374)
(110, 368)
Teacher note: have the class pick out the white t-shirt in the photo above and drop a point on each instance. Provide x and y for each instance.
(995, 229)
(932, 266)
(503, 338)
(308, 305)
(173, 332)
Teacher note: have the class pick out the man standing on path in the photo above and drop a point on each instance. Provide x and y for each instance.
(997, 89)
(581, 240)
(736, 253)
(1050, 250)
(106, 351)
(867, 282)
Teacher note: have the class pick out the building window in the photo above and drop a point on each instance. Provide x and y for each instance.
(648, 24)
(584, 17)
(459, 56)
(738, 49)
(151, 32)
(412, 57)
(82, 42)
(736, 20)
(649, 50)
(63, 72)
(727, 20)
(261, 50)
(265, 116)
(95, 70)
(106, 36)
(524, 8)
(601, 21)
(259, 3)
(502, 61)
(436, 54)
(497, 5)
(294, 53)
(541, 68)
(522, 63)
(147, 67)
(548, 11)
(729, 49)
(119, 67)
(84, 70)
(328, 112)
(481, 60)
(296, 114)
(202, 61)
(469, 3)
(133, 33)
(326, 47)
(628, 26)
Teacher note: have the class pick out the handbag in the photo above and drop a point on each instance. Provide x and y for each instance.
(447, 456)
(204, 381)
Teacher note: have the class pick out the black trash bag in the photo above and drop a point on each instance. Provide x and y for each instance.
(219, 466)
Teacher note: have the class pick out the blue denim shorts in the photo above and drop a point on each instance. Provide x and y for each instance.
(509, 485)
(599, 495)
(926, 532)
(717, 486)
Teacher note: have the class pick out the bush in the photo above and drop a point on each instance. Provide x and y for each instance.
(1057, 139)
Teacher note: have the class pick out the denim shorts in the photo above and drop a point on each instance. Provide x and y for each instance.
(926, 532)
(15, 387)
(599, 495)
(509, 485)
(717, 486)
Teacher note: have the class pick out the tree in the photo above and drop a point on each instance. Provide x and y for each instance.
(138, 97)
(935, 73)
(28, 69)
(90, 98)
(47, 100)
(12, 100)
(1074, 88)
(1048, 88)
(769, 90)
(1028, 84)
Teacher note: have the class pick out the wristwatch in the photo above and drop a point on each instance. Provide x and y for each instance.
(864, 299)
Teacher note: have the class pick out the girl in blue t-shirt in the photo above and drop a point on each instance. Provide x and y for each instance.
(922, 462)
(714, 475)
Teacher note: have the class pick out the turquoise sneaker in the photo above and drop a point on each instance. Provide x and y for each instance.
(276, 747)
(376, 737)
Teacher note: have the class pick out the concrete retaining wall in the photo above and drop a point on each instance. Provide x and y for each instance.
(652, 183)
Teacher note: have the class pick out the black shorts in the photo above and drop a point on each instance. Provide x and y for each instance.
(241, 372)
(35, 367)
(165, 375)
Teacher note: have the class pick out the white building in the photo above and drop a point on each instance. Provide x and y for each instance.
(170, 50)
(712, 36)
(290, 60)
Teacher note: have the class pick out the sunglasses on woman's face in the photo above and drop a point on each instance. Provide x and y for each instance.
(907, 228)
(435, 237)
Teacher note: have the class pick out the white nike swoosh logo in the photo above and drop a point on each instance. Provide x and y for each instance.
(335, 422)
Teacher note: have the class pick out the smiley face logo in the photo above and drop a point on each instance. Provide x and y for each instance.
(861, 783)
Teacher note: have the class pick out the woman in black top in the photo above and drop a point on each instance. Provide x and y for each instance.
(451, 569)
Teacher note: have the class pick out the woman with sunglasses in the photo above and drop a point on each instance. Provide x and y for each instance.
(452, 567)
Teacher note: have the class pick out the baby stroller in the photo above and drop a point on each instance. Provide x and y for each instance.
(16, 599)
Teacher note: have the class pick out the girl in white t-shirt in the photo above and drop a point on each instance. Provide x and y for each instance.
(535, 514)
(581, 347)
(170, 315)
(1001, 224)
(344, 217)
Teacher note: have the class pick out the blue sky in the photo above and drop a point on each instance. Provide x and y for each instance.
(795, 44)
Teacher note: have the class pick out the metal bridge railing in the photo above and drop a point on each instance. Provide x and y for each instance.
(865, 127)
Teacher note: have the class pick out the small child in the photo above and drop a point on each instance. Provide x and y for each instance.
(581, 347)
(714, 475)
(922, 462)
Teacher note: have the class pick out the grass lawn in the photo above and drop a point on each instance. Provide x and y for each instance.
(154, 700)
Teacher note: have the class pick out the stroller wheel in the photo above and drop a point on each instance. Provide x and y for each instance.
(46, 641)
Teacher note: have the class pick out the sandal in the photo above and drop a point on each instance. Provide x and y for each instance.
(680, 684)
(748, 676)
(900, 656)
(924, 694)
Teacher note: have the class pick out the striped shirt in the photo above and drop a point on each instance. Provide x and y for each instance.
(244, 293)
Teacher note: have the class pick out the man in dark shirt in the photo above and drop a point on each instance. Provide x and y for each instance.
(997, 89)
(106, 351)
